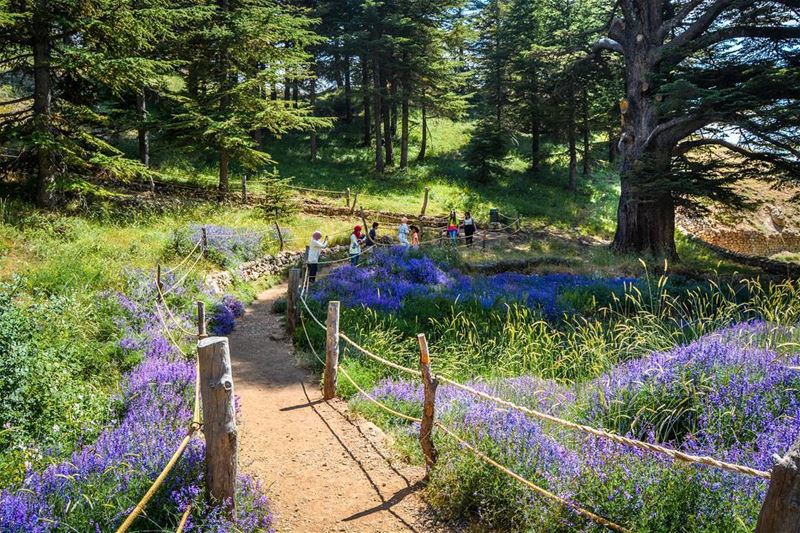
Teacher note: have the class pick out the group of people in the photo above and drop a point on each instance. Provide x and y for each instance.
(408, 235)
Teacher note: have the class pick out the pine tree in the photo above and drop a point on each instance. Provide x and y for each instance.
(66, 59)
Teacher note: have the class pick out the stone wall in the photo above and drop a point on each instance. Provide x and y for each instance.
(265, 266)
(749, 242)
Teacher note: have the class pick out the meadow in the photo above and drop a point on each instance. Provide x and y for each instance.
(697, 366)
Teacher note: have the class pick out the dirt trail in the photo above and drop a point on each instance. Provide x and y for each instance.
(325, 471)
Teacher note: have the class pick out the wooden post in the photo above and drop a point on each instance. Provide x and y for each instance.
(429, 387)
(483, 240)
(244, 188)
(424, 202)
(280, 234)
(516, 224)
(305, 256)
(353, 207)
(363, 220)
(781, 510)
(219, 419)
(201, 320)
(292, 307)
(158, 281)
(331, 351)
(347, 197)
(204, 241)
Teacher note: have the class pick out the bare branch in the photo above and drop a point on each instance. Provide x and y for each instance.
(679, 17)
(17, 101)
(605, 43)
(766, 157)
(701, 24)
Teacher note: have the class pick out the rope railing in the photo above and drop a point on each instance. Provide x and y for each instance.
(619, 439)
(536, 488)
(187, 257)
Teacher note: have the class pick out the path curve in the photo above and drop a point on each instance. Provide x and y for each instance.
(325, 469)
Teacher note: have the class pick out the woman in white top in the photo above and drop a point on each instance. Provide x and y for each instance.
(315, 248)
(402, 232)
(356, 239)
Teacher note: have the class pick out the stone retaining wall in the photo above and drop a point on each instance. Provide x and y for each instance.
(749, 242)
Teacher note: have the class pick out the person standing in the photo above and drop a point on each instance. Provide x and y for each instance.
(469, 228)
(315, 248)
(452, 228)
(414, 237)
(402, 232)
(372, 235)
(356, 240)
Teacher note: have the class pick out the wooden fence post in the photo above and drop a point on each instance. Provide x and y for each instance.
(204, 241)
(158, 282)
(219, 419)
(780, 512)
(347, 197)
(516, 224)
(244, 188)
(201, 320)
(483, 241)
(363, 219)
(424, 202)
(353, 207)
(292, 307)
(280, 234)
(331, 351)
(429, 387)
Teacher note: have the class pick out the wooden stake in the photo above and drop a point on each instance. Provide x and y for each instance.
(201, 320)
(204, 241)
(219, 425)
(280, 234)
(483, 241)
(516, 224)
(363, 220)
(429, 387)
(331, 351)
(781, 510)
(424, 202)
(347, 197)
(158, 281)
(292, 300)
(355, 200)
(244, 188)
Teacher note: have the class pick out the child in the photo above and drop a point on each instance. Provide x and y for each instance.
(402, 232)
(315, 248)
(356, 240)
(452, 228)
(414, 237)
(372, 236)
(469, 228)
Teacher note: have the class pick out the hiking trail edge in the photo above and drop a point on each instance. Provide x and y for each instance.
(323, 469)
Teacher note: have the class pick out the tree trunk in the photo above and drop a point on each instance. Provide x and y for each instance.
(287, 90)
(387, 124)
(585, 128)
(376, 77)
(312, 95)
(571, 134)
(423, 145)
(348, 98)
(144, 133)
(404, 131)
(296, 94)
(42, 94)
(224, 168)
(536, 127)
(394, 105)
(365, 98)
(645, 219)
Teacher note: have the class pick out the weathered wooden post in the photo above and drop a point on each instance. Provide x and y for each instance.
(424, 202)
(347, 197)
(204, 241)
(280, 234)
(331, 351)
(483, 241)
(781, 510)
(201, 320)
(292, 300)
(159, 285)
(429, 388)
(219, 424)
(363, 218)
(353, 207)
(244, 188)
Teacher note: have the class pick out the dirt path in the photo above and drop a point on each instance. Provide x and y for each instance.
(325, 472)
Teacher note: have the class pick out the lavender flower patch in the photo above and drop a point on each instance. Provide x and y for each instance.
(715, 396)
(101, 482)
(229, 246)
(394, 275)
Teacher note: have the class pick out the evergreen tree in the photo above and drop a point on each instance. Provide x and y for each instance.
(715, 74)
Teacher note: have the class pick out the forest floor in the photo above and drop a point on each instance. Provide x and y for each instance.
(324, 469)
